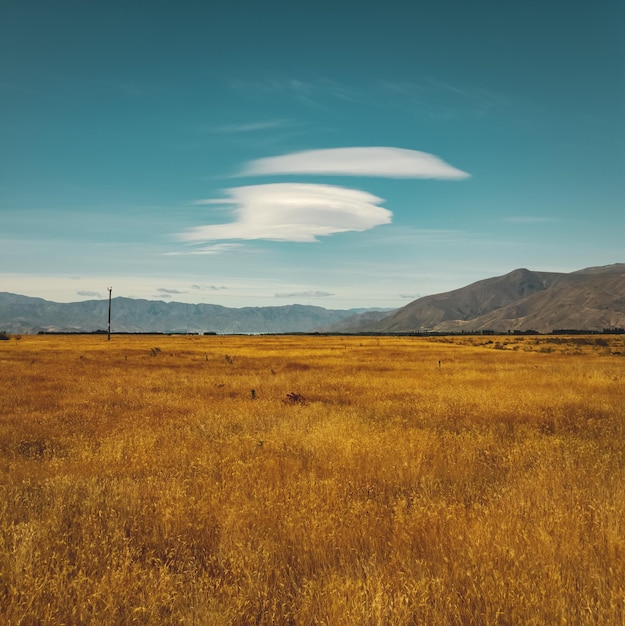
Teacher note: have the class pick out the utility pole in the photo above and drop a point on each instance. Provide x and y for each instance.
(109, 325)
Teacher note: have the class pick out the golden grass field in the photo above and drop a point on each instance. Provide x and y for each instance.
(364, 481)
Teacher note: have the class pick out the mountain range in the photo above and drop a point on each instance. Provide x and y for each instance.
(26, 315)
(589, 299)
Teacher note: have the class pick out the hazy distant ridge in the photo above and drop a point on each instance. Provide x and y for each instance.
(22, 314)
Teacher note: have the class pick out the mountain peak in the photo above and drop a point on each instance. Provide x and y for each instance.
(590, 299)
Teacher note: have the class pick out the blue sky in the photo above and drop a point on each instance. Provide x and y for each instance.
(337, 154)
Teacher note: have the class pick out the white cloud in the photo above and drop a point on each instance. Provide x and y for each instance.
(305, 294)
(91, 294)
(219, 248)
(293, 212)
(374, 161)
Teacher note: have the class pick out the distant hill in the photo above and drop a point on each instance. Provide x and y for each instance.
(22, 314)
(588, 299)
(357, 322)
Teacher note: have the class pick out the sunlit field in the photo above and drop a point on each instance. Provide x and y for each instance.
(312, 480)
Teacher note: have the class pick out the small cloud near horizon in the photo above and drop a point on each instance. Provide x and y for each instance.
(304, 294)
(162, 290)
(91, 294)
(208, 287)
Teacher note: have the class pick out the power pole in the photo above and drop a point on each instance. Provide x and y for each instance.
(109, 325)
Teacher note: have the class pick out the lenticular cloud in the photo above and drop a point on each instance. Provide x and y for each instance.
(375, 161)
(293, 212)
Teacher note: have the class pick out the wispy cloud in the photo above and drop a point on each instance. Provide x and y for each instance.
(407, 235)
(304, 294)
(90, 294)
(293, 212)
(208, 287)
(218, 248)
(305, 92)
(203, 202)
(162, 290)
(437, 99)
(530, 219)
(479, 99)
(316, 94)
(250, 126)
(365, 161)
(426, 96)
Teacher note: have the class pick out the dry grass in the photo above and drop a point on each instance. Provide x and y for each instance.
(363, 481)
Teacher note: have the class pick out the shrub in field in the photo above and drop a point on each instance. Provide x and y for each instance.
(295, 398)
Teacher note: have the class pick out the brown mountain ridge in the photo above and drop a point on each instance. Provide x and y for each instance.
(589, 299)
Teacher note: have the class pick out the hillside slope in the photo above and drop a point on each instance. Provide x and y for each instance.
(589, 299)
(21, 314)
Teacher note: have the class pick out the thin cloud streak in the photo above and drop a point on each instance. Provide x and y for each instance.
(294, 212)
(89, 294)
(366, 161)
(405, 235)
(208, 287)
(304, 294)
(438, 100)
(528, 219)
(170, 291)
(219, 248)
(250, 127)
(212, 201)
